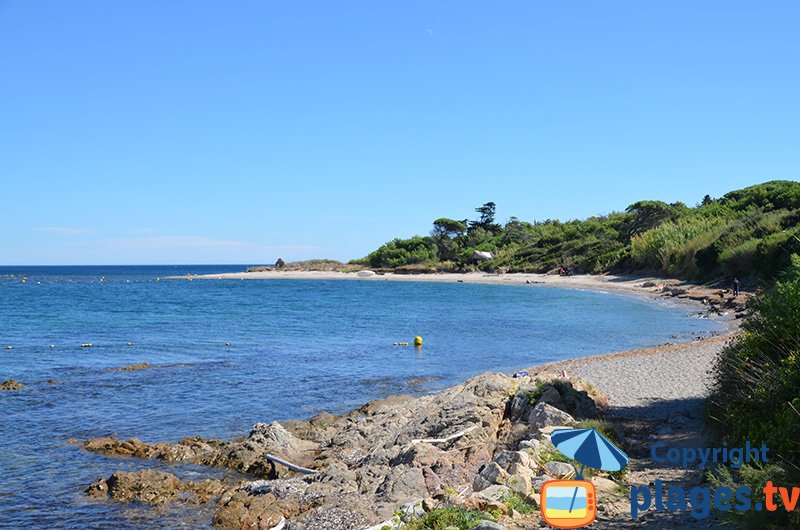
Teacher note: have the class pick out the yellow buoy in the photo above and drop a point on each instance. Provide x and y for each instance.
(417, 341)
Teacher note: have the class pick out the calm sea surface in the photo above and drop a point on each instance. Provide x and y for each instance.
(296, 347)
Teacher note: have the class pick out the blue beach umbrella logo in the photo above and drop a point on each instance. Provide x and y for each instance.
(589, 448)
(573, 503)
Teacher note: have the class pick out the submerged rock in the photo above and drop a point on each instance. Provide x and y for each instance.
(11, 385)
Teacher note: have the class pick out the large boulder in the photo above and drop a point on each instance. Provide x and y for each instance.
(544, 415)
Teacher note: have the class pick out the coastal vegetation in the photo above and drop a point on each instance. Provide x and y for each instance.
(757, 398)
(751, 232)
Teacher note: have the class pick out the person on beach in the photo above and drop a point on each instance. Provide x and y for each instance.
(736, 287)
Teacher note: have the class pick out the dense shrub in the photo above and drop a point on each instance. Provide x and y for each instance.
(757, 393)
(748, 233)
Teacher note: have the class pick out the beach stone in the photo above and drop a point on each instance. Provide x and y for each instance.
(544, 415)
(11, 385)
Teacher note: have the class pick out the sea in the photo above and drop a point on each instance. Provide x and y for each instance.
(232, 353)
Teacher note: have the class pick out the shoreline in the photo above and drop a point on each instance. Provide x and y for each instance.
(652, 394)
(714, 302)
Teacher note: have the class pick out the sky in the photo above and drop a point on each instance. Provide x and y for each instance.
(136, 132)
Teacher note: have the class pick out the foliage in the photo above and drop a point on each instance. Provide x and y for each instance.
(749, 233)
(757, 390)
(514, 501)
(448, 516)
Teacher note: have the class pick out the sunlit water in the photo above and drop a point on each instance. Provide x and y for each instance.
(296, 347)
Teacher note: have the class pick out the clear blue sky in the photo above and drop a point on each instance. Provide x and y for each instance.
(238, 132)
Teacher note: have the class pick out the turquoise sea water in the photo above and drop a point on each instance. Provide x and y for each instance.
(296, 347)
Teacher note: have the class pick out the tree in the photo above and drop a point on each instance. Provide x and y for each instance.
(707, 200)
(447, 228)
(486, 220)
(445, 234)
(646, 215)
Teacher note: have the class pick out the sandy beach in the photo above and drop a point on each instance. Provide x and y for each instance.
(652, 287)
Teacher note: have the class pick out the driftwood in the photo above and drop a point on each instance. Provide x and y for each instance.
(293, 467)
(445, 439)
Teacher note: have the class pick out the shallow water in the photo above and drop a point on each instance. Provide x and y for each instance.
(296, 347)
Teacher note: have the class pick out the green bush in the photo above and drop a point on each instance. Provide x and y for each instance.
(756, 393)
(448, 516)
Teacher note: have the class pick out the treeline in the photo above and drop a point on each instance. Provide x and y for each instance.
(751, 232)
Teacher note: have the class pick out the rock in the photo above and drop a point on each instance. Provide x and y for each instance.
(538, 481)
(544, 415)
(604, 485)
(559, 469)
(147, 485)
(411, 511)
(550, 396)
(429, 504)
(494, 493)
(505, 458)
(492, 473)
(521, 483)
(11, 385)
(403, 483)
(489, 525)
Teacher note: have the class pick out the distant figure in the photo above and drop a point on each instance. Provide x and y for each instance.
(279, 264)
(736, 287)
(562, 271)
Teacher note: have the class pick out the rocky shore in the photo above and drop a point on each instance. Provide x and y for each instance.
(481, 447)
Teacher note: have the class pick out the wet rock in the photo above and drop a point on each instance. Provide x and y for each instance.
(11, 385)
(147, 485)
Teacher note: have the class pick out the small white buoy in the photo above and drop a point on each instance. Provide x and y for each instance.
(52, 345)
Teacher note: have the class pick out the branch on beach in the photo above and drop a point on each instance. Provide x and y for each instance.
(445, 439)
(293, 467)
